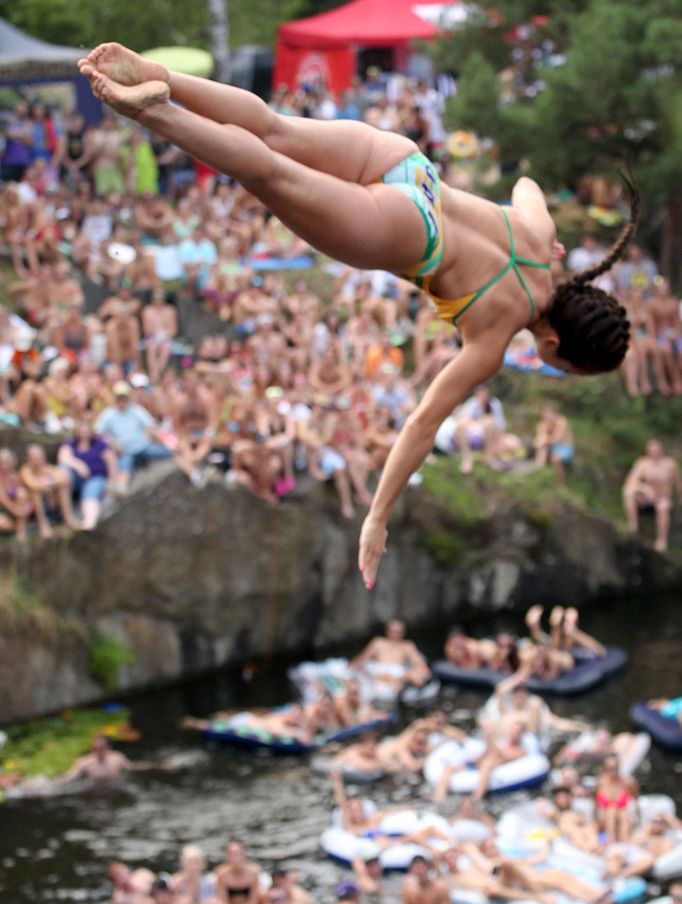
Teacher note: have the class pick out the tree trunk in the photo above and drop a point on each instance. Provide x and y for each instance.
(220, 38)
(670, 237)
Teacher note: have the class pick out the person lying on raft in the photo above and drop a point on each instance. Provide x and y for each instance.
(670, 709)
(512, 703)
(463, 651)
(393, 659)
(423, 885)
(370, 199)
(565, 635)
(500, 749)
(407, 752)
(351, 709)
(596, 746)
(355, 819)
(363, 756)
(437, 727)
(622, 860)
(480, 864)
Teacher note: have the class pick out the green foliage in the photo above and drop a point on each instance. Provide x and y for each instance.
(50, 746)
(446, 546)
(443, 480)
(155, 23)
(107, 656)
(21, 609)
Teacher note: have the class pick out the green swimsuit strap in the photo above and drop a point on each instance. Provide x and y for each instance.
(514, 262)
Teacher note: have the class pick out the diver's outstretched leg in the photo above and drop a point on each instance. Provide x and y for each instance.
(352, 151)
(370, 227)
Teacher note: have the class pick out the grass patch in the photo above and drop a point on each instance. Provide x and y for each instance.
(446, 547)
(108, 655)
(50, 746)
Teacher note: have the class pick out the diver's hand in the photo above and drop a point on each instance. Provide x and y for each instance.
(558, 251)
(372, 547)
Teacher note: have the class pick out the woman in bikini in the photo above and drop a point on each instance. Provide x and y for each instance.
(370, 199)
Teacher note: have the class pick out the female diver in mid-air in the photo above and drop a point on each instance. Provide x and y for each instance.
(370, 199)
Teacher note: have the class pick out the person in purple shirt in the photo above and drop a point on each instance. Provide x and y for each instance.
(90, 464)
(18, 144)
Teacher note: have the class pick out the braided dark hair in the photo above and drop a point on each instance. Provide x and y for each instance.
(593, 329)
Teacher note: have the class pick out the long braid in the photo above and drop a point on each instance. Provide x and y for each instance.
(623, 239)
(592, 327)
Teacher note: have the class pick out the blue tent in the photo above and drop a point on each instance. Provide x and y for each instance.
(27, 61)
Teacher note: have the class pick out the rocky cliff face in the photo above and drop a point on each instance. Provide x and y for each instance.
(192, 579)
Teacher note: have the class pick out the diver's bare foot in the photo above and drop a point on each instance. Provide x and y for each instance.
(129, 101)
(122, 65)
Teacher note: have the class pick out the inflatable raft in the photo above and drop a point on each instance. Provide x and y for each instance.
(332, 674)
(523, 827)
(667, 732)
(237, 732)
(588, 672)
(526, 772)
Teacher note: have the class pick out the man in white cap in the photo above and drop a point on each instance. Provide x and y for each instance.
(131, 432)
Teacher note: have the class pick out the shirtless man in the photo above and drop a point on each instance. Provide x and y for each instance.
(512, 703)
(364, 756)
(419, 888)
(664, 309)
(159, 325)
(102, 764)
(123, 338)
(392, 658)
(285, 890)
(515, 743)
(130, 886)
(193, 422)
(103, 152)
(351, 709)
(406, 752)
(237, 880)
(651, 483)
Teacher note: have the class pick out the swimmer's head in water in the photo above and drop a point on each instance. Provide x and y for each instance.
(589, 330)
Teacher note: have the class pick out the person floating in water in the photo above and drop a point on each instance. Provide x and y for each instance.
(372, 200)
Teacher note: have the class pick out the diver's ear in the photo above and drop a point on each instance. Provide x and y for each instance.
(547, 334)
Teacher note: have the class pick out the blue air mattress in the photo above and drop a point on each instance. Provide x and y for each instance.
(667, 732)
(588, 672)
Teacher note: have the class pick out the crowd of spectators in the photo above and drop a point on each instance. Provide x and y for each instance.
(153, 313)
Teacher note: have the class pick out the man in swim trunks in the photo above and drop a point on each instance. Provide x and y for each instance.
(651, 482)
(285, 891)
(130, 886)
(664, 310)
(394, 659)
(419, 886)
(102, 764)
(383, 207)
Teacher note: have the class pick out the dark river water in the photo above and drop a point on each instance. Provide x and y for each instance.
(56, 849)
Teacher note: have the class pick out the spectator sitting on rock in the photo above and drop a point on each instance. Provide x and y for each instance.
(160, 326)
(554, 442)
(90, 464)
(15, 504)
(131, 432)
(664, 309)
(651, 482)
(49, 487)
(480, 425)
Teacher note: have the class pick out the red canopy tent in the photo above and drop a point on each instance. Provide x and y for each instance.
(324, 47)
